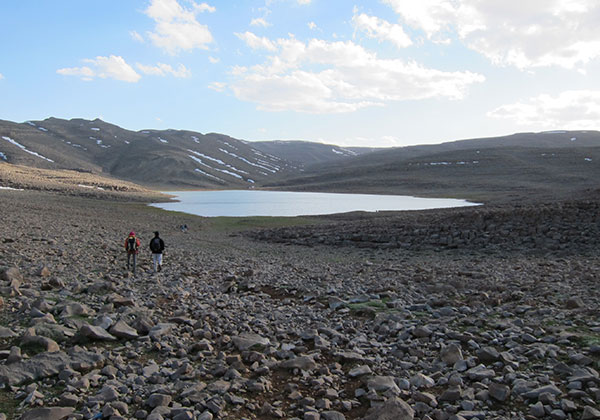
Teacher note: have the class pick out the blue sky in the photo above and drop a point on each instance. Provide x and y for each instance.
(353, 73)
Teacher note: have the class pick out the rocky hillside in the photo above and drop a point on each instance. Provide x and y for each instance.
(167, 158)
(546, 165)
(542, 165)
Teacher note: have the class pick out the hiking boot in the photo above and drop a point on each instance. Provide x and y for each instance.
(159, 268)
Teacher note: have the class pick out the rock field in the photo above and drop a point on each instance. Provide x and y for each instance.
(475, 313)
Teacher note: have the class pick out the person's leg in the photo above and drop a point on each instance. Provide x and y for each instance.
(159, 261)
(134, 261)
(128, 258)
(154, 261)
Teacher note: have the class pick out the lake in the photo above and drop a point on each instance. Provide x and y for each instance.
(283, 203)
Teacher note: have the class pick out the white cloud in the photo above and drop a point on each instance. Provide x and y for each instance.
(569, 110)
(1, 76)
(136, 36)
(256, 42)
(381, 29)
(304, 2)
(331, 77)
(524, 34)
(213, 60)
(260, 22)
(112, 67)
(218, 86)
(176, 27)
(162, 69)
(312, 26)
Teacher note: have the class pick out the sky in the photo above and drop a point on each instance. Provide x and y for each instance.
(373, 73)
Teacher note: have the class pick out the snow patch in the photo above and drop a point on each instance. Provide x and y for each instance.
(246, 160)
(11, 188)
(196, 139)
(94, 128)
(219, 161)
(42, 128)
(90, 187)
(227, 144)
(588, 159)
(3, 156)
(8, 139)
(163, 140)
(573, 138)
(208, 175)
(30, 123)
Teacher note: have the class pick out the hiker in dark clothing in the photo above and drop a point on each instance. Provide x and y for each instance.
(157, 246)
(132, 244)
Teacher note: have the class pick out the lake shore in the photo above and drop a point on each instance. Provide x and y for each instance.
(329, 319)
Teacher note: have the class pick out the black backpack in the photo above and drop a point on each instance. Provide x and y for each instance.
(131, 244)
(155, 245)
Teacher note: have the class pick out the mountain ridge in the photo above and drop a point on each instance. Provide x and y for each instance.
(517, 165)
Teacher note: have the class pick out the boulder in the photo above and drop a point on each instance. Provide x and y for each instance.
(48, 413)
(392, 409)
(249, 341)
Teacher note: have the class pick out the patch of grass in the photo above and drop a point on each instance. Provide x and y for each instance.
(8, 404)
(234, 224)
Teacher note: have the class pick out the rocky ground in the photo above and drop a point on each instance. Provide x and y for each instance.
(478, 313)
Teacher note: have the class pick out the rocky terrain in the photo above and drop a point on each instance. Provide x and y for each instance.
(74, 183)
(473, 313)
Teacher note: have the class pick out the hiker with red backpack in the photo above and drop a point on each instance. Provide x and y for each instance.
(132, 244)
(157, 246)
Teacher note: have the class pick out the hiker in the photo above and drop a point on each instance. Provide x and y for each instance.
(157, 246)
(132, 244)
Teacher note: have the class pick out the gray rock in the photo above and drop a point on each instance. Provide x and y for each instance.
(537, 410)
(160, 329)
(121, 330)
(44, 365)
(360, 371)
(488, 354)
(36, 341)
(451, 354)
(392, 409)
(383, 384)
(303, 362)
(332, 415)
(93, 332)
(534, 394)
(249, 341)
(420, 380)
(48, 413)
(499, 392)
(158, 400)
(480, 372)
(6, 333)
(590, 413)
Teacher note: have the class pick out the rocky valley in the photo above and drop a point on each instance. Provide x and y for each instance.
(476, 313)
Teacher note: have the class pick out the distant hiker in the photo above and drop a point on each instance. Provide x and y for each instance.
(132, 245)
(157, 246)
(183, 228)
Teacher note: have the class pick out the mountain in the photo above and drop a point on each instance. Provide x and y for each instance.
(524, 165)
(156, 158)
(307, 153)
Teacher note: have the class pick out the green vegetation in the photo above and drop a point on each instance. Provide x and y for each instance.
(8, 404)
(232, 224)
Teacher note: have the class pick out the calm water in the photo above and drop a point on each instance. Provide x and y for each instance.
(279, 203)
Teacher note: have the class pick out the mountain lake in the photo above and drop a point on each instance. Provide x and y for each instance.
(245, 203)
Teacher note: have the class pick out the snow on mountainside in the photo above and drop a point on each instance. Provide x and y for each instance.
(158, 158)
